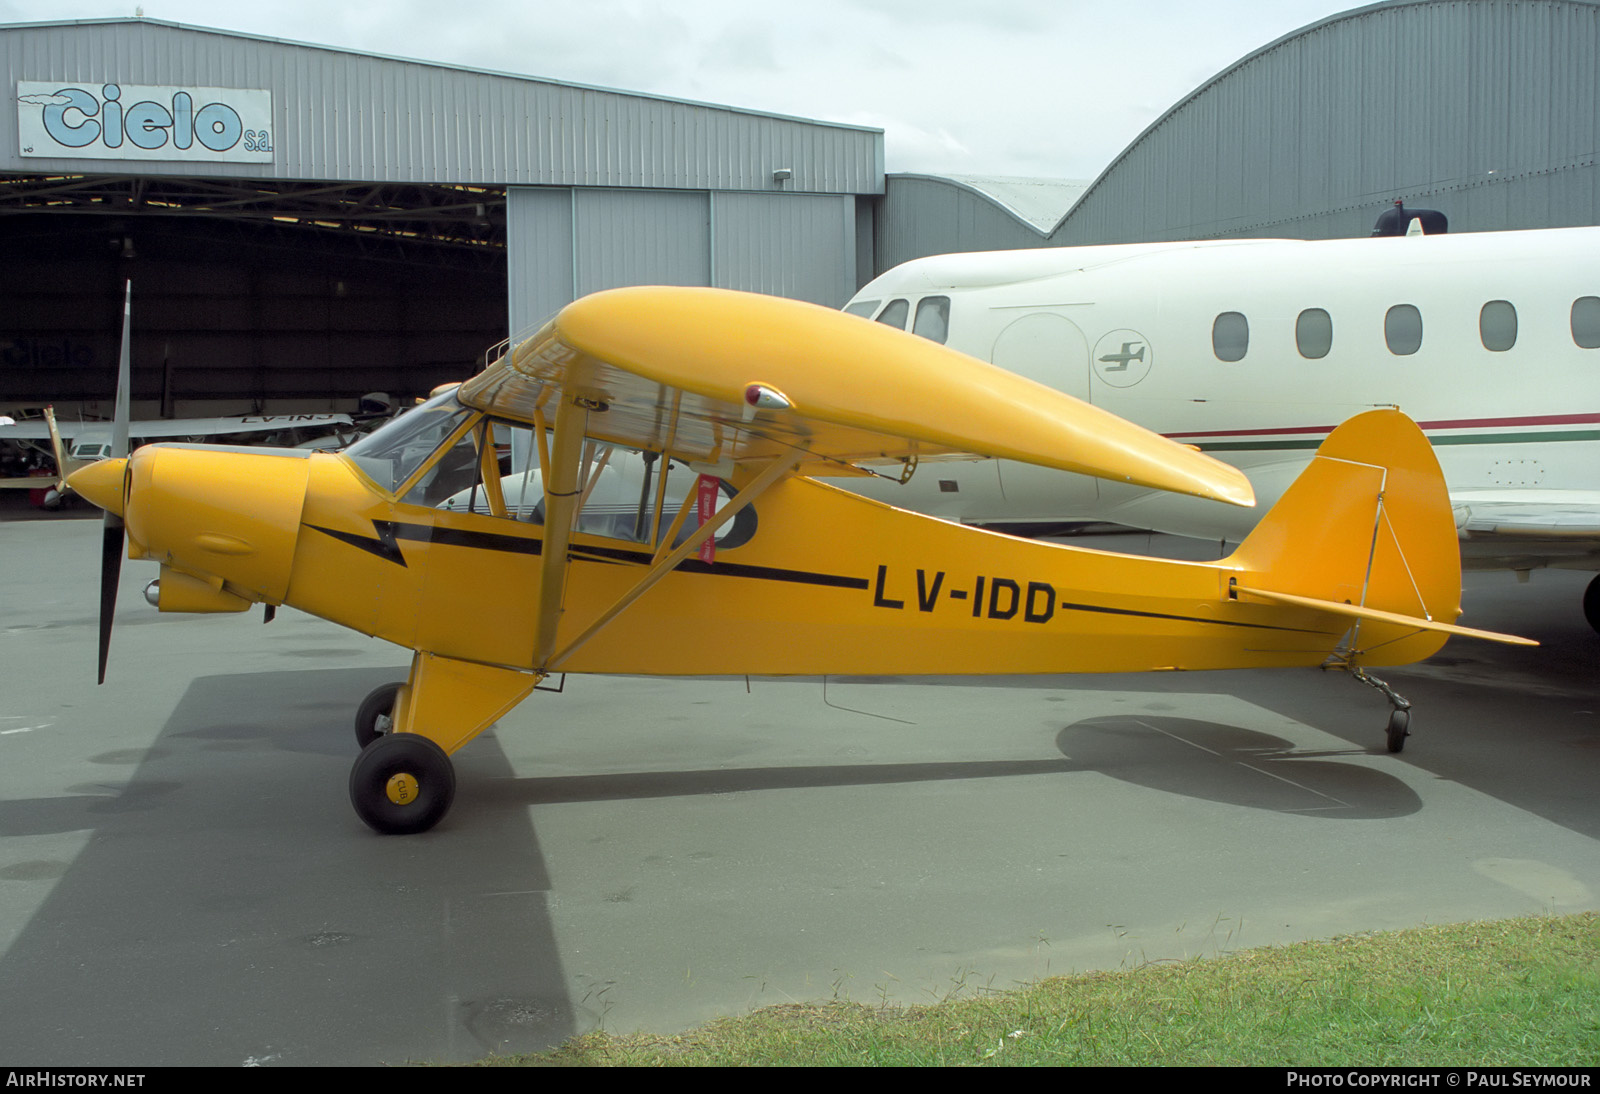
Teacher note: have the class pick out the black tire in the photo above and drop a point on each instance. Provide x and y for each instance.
(373, 716)
(423, 777)
(1591, 604)
(1399, 730)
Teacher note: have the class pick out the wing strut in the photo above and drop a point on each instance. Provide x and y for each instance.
(661, 567)
(562, 497)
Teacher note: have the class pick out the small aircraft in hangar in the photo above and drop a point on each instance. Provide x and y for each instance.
(1355, 567)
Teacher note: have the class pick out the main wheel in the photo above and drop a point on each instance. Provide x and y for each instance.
(402, 783)
(1399, 724)
(1591, 603)
(375, 715)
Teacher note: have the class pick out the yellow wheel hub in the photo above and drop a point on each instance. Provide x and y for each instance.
(401, 789)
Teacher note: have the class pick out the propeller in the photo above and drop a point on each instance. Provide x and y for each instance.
(112, 526)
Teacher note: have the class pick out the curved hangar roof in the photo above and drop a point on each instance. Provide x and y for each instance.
(1483, 108)
(289, 110)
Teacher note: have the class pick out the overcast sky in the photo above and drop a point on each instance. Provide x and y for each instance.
(1006, 87)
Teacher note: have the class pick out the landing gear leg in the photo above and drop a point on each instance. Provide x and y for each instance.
(1399, 709)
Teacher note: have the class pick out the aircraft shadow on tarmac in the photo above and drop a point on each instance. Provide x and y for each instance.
(1235, 766)
(228, 907)
(1204, 760)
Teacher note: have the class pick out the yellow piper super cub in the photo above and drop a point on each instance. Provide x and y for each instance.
(636, 489)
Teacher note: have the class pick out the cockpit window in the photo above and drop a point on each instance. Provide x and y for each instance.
(455, 473)
(895, 314)
(863, 308)
(933, 318)
(392, 454)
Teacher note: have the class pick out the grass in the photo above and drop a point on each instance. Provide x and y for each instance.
(1523, 992)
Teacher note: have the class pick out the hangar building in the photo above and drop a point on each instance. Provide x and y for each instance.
(1487, 110)
(304, 224)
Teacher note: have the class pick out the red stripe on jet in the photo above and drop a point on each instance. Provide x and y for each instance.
(1445, 423)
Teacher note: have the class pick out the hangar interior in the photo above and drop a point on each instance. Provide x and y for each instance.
(298, 296)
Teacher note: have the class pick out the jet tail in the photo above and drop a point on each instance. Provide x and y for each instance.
(1366, 532)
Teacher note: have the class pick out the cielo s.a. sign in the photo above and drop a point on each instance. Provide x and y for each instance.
(90, 120)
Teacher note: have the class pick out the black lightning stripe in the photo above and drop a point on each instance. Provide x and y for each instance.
(383, 544)
(389, 533)
(1185, 618)
(726, 569)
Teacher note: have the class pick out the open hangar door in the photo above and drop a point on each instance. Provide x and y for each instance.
(248, 296)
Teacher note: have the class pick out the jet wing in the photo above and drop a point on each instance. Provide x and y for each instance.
(1538, 514)
(715, 377)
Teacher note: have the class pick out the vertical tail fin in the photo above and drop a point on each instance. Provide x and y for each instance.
(1366, 531)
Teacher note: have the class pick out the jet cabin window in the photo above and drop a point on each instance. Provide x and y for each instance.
(1402, 329)
(1230, 336)
(1497, 326)
(1313, 334)
(1586, 322)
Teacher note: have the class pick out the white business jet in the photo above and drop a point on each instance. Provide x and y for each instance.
(1254, 349)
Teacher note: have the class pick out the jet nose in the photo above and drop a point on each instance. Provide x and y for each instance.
(101, 483)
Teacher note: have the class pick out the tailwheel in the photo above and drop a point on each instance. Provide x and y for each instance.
(375, 715)
(1399, 726)
(1399, 708)
(402, 783)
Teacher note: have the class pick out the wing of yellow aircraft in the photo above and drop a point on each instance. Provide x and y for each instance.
(412, 535)
(711, 376)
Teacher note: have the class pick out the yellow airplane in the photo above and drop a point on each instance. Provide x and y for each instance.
(760, 398)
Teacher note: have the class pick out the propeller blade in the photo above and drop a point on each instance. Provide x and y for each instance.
(110, 573)
(119, 425)
(111, 528)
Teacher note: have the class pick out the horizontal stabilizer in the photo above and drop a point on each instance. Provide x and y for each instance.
(1335, 607)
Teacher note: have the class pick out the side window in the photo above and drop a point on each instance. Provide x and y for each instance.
(895, 314)
(933, 318)
(1230, 336)
(493, 485)
(1497, 325)
(1402, 329)
(1586, 322)
(637, 496)
(1313, 333)
(863, 308)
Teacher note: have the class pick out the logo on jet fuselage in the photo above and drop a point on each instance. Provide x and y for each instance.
(1118, 362)
(1122, 358)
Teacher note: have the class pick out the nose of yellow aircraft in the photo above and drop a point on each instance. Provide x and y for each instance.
(101, 483)
(226, 514)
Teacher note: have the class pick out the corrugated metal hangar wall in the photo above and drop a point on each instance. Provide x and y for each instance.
(1487, 110)
(302, 221)
(567, 243)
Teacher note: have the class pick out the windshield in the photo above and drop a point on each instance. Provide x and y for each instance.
(390, 455)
